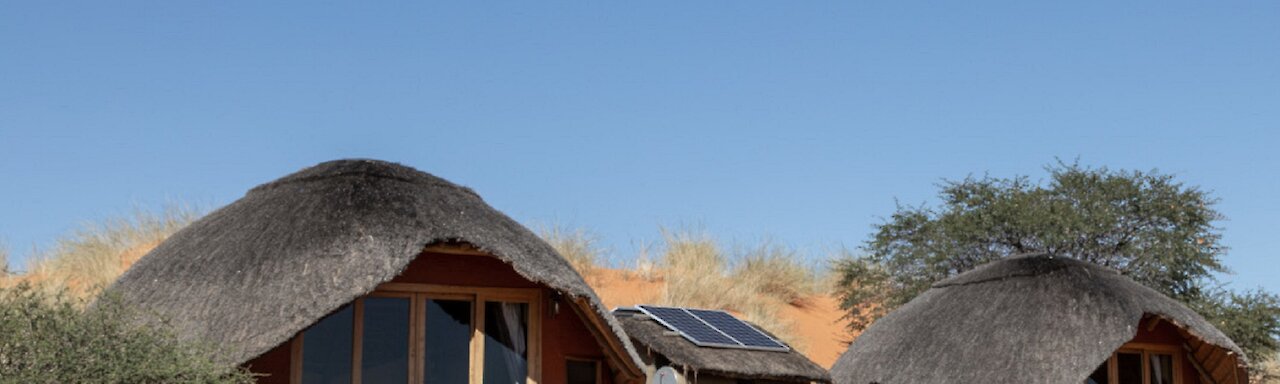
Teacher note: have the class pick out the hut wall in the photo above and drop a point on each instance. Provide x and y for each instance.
(274, 365)
(1165, 333)
(564, 335)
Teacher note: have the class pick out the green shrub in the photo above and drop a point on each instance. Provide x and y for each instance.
(49, 339)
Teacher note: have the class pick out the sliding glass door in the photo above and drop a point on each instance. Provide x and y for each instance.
(425, 334)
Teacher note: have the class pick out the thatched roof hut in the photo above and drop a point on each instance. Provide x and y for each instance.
(255, 273)
(1035, 319)
(660, 346)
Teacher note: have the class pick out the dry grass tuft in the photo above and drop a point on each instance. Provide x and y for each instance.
(580, 247)
(4, 262)
(87, 260)
(1268, 372)
(645, 267)
(777, 271)
(698, 274)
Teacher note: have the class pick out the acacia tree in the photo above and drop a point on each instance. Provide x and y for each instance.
(1150, 227)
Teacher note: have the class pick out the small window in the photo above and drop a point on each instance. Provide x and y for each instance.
(1161, 368)
(385, 342)
(328, 349)
(506, 349)
(582, 371)
(1129, 367)
(1138, 363)
(1099, 376)
(448, 341)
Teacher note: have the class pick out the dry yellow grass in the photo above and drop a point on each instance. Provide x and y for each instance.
(580, 247)
(1268, 372)
(90, 258)
(4, 266)
(757, 285)
(777, 271)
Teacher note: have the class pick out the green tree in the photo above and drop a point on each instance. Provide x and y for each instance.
(1150, 227)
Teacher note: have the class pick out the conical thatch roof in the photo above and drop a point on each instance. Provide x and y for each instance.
(1029, 319)
(682, 354)
(252, 274)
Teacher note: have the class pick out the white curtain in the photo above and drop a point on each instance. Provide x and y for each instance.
(514, 332)
(1157, 371)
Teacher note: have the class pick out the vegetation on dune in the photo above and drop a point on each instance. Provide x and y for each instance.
(580, 247)
(4, 264)
(696, 272)
(1269, 373)
(49, 338)
(90, 258)
(756, 285)
(1147, 225)
(779, 273)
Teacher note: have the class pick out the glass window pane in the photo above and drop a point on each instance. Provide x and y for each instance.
(1130, 367)
(581, 372)
(326, 349)
(1161, 369)
(1099, 376)
(505, 343)
(384, 354)
(448, 335)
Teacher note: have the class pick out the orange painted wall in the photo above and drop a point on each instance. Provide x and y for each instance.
(564, 334)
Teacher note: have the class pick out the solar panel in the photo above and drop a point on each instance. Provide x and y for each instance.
(695, 330)
(712, 328)
(737, 329)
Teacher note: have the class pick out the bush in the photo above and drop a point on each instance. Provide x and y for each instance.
(48, 339)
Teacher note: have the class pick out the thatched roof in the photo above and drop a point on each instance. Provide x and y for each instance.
(252, 274)
(774, 366)
(1030, 319)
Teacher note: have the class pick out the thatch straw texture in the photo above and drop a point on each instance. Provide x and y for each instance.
(1029, 319)
(768, 366)
(252, 274)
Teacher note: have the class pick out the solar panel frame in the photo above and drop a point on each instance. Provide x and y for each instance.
(745, 334)
(691, 327)
(674, 318)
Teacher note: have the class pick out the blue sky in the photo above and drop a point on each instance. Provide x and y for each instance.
(800, 122)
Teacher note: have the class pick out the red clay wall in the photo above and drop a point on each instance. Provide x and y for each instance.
(563, 334)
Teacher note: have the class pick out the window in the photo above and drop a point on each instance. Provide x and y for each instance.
(1140, 364)
(582, 371)
(415, 333)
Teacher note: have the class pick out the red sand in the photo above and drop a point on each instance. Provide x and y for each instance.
(817, 322)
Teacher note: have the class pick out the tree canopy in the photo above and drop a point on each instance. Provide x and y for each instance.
(1147, 225)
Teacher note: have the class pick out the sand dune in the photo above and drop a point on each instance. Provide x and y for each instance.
(817, 322)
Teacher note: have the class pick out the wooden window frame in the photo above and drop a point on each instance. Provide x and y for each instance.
(599, 366)
(1145, 350)
(417, 295)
